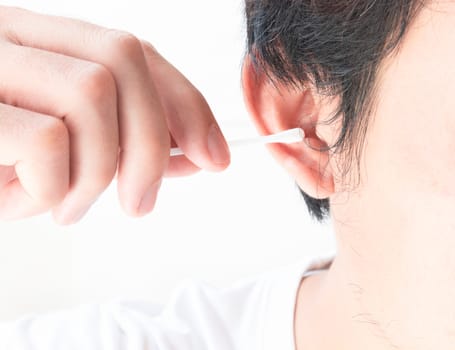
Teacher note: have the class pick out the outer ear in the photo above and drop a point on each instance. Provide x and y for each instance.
(274, 108)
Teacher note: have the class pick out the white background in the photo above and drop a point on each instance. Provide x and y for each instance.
(213, 227)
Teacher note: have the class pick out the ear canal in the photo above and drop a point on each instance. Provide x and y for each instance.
(275, 107)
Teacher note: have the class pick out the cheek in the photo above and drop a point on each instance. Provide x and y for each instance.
(411, 147)
(411, 140)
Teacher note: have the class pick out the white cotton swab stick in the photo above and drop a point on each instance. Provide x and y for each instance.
(286, 136)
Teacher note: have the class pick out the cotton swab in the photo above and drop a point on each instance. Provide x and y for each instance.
(286, 136)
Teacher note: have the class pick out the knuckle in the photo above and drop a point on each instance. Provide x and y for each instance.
(152, 55)
(96, 85)
(124, 45)
(51, 136)
(195, 96)
(9, 16)
(148, 46)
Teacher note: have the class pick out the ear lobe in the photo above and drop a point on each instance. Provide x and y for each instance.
(275, 107)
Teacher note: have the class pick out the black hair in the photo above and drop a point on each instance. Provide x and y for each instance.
(337, 47)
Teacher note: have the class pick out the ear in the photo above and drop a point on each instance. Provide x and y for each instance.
(275, 108)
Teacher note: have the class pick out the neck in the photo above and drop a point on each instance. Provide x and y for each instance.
(392, 284)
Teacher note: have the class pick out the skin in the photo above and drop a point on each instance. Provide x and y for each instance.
(79, 106)
(391, 285)
(88, 104)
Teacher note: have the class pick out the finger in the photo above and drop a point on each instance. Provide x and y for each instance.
(180, 165)
(7, 173)
(190, 120)
(84, 95)
(144, 136)
(38, 147)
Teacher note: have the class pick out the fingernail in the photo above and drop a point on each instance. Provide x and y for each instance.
(148, 200)
(218, 148)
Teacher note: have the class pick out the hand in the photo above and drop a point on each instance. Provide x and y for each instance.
(78, 103)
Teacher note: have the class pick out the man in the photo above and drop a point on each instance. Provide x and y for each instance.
(380, 72)
(371, 84)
